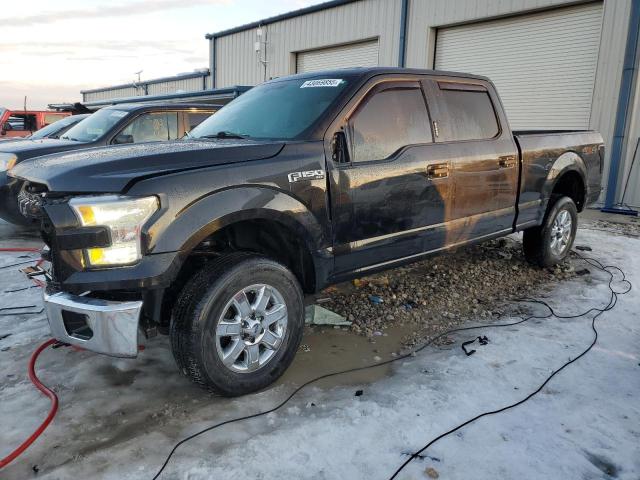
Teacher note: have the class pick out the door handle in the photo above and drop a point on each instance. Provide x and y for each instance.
(438, 170)
(507, 161)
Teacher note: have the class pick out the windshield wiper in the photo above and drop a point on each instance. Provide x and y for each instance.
(225, 134)
(69, 138)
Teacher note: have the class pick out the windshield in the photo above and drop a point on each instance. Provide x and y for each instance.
(51, 129)
(276, 110)
(94, 127)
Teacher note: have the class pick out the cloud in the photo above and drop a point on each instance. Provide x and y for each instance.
(140, 7)
(74, 47)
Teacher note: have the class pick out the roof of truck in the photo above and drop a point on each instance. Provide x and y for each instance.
(372, 71)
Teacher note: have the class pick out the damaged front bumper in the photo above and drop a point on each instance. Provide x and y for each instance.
(101, 326)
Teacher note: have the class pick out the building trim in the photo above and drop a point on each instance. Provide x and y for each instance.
(404, 21)
(278, 18)
(185, 76)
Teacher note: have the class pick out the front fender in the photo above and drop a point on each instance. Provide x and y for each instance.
(208, 214)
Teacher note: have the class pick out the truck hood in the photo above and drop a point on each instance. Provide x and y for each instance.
(111, 169)
(26, 148)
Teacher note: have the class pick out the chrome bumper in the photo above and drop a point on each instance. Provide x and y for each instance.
(112, 326)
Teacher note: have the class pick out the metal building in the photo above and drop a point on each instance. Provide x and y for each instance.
(558, 64)
(185, 82)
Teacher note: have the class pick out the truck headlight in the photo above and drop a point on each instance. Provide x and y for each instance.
(7, 161)
(124, 217)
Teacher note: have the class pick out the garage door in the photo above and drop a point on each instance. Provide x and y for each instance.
(363, 54)
(543, 64)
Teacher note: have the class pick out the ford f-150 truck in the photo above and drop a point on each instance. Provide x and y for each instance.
(300, 183)
(115, 125)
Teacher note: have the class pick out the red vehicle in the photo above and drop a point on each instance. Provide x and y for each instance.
(20, 123)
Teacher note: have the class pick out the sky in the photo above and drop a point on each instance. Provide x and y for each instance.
(49, 51)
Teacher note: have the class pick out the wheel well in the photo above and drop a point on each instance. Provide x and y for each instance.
(571, 185)
(269, 238)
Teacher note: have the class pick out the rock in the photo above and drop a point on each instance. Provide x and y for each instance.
(432, 472)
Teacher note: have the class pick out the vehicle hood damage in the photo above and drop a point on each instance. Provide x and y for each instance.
(112, 169)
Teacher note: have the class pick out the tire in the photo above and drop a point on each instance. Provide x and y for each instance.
(560, 224)
(217, 350)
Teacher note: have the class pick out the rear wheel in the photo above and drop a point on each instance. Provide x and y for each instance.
(550, 243)
(237, 324)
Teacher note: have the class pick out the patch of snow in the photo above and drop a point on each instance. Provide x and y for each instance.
(120, 418)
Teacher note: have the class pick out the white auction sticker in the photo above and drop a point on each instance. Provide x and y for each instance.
(326, 82)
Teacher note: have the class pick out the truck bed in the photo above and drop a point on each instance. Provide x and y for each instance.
(539, 151)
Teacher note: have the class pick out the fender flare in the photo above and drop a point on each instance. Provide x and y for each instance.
(565, 163)
(210, 213)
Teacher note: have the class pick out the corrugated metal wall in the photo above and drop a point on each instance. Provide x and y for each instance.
(361, 54)
(238, 63)
(543, 64)
(112, 93)
(427, 15)
(152, 87)
(183, 85)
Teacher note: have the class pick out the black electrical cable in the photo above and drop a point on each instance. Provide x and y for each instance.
(612, 302)
(411, 354)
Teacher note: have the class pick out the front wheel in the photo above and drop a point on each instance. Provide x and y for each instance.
(237, 324)
(550, 243)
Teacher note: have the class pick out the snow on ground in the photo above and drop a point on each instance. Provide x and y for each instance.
(119, 418)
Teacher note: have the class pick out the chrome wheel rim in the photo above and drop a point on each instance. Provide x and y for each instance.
(561, 232)
(251, 328)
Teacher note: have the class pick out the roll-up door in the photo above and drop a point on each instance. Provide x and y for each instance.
(543, 64)
(363, 54)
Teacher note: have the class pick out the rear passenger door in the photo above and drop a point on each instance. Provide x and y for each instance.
(475, 140)
(388, 193)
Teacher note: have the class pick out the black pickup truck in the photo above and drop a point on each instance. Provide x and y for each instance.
(115, 125)
(300, 183)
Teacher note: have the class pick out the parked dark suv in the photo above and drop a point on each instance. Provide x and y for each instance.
(115, 125)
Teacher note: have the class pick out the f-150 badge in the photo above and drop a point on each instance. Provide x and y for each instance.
(308, 175)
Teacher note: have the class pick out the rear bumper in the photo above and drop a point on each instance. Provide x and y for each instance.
(101, 326)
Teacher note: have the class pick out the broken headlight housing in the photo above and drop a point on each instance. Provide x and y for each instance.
(124, 217)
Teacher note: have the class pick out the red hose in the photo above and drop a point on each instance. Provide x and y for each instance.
(20, 249)
(52, 412)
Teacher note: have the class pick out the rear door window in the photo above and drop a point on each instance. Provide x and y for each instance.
(466, 112)
(50, 118)
(392, 116)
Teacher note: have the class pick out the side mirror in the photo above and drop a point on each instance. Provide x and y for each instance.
(122, 138)
(339, 150)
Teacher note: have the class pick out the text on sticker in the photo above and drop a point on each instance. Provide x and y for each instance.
(327, 82)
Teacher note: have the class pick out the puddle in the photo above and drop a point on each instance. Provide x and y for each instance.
(332, 350)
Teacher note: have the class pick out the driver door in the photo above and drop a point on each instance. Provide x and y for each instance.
(386, 192)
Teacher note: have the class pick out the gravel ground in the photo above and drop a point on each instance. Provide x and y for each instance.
(443, 292)
(629, 229)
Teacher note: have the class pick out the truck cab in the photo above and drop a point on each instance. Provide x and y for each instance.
(22, 123)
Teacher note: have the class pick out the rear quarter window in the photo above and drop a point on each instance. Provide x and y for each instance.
(467, 114)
